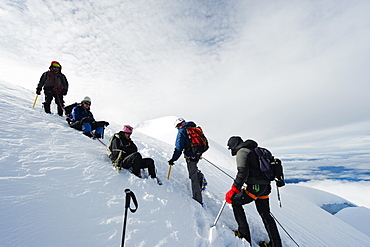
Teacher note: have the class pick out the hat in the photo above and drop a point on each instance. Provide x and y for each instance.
(178, 122)
(127, 129)
(233, 142)
(86, 99)
(55, 64)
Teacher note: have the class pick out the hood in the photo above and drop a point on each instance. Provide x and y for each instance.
(53, 62)
(236, 142)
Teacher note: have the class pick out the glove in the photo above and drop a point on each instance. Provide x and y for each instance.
(106, 123)
(64, 93)
(280, 183)
(171, 162)
(231, 193)
(38, 91)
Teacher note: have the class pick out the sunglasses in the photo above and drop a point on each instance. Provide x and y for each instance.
(87, 103)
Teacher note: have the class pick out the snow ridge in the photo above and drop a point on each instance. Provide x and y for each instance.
(58, 188)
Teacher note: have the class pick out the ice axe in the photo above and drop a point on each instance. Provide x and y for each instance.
(34, 102)
(169, 172)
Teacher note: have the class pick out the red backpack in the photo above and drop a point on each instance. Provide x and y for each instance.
(198, 141)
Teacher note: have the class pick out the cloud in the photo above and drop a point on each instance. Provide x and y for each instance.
(257, 69)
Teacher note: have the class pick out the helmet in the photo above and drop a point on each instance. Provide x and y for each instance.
(179, 122)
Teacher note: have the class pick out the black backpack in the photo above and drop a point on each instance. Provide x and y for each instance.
(68, 109)
(270, 166)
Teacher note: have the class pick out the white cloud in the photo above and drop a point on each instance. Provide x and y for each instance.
(258, 69)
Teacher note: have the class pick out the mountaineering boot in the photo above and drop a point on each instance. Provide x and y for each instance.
(46, 107)
(159, 182)
(263, 244)
(241, 235)
(60, 111)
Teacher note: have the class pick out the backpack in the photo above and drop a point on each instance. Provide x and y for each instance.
(68, 109)
(270, 166)
(109, 146)
(198, 141)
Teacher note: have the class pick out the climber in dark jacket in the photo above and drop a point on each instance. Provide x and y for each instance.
(124, 153)
(257, 190)
(55, 86)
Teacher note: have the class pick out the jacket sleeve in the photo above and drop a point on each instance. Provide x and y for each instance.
(65, 85)
(91, 116)
(243, 168)
(42, 81)
(126, 147)
(76, 114)
(129, 148)
(180, 144)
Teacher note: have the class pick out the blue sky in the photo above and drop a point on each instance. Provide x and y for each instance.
(267, 70)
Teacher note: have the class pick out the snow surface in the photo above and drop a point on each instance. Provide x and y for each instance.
(58, 188)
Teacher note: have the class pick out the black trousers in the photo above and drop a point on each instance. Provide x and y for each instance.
(258, 194)
(136, 162)
(58, 97)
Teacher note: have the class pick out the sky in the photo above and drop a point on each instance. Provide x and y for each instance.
(274, 71)
(58, 188)
(290, 74)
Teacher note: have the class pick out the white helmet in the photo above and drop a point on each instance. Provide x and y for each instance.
(178, 122)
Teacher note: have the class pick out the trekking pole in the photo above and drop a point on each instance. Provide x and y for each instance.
(278, 195)
(34, 102)
(169, 172)
(219, 214)
(129, 195)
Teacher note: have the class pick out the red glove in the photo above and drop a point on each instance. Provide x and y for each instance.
(231, 193)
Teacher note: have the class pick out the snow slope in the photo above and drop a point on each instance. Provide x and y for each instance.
(58, 188)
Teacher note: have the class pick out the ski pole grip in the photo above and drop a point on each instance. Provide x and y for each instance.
(129, 195)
